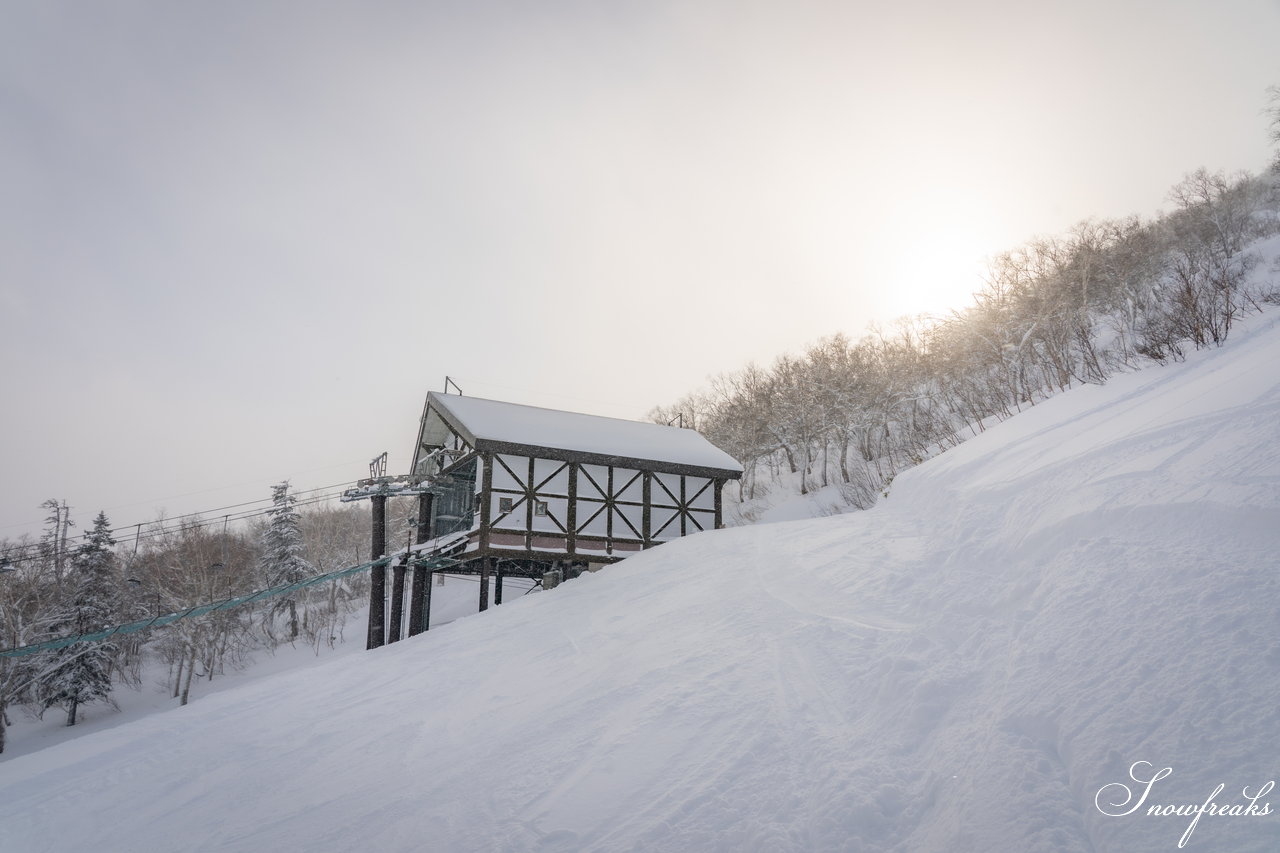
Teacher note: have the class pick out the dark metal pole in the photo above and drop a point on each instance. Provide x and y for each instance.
(426, 605)
(419, 594)
(378, 575)
(497, 586)
(397, 604)
(419, 586)
(397, 589)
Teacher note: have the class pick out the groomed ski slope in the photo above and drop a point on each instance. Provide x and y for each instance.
(1088, 585)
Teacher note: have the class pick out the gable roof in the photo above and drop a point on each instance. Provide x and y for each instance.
(549, 433)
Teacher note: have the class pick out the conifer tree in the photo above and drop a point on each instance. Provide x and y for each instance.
(81, 672)
(282, 561)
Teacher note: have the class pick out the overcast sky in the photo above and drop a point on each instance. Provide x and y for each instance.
(240, 240)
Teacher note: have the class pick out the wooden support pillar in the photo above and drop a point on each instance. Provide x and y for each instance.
(378, 576)
(394, 630)
(497, 585)
(571, 512)
(684, 508)
(486, 565)
(420, 592)
(646, 516)
(719, 504)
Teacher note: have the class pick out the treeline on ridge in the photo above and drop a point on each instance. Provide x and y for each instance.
(1107, 296)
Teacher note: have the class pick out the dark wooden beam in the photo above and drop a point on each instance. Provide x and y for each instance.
(646, 515)
(571, 515)
(530, 497)
(608, 508)
(550, 557)
(486, 499)
(719, 504)
(510, 448)
(684, 508)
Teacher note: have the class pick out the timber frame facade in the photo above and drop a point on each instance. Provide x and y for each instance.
(546, 505)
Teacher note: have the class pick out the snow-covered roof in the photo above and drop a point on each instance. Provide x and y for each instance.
(489, 424)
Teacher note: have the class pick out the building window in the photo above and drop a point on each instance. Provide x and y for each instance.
(504, 504)
(539, 507)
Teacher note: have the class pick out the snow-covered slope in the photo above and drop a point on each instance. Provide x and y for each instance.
(1088, 585)
(452, 600)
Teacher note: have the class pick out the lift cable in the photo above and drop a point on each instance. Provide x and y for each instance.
(163, 527)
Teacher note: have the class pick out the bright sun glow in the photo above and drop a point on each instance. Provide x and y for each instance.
(941, 276)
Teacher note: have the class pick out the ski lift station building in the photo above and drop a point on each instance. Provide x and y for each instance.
(511, 490)
(537, 486)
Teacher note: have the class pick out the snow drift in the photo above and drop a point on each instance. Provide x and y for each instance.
(1088, 585)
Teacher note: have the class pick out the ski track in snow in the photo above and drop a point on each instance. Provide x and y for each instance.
(1089, 584)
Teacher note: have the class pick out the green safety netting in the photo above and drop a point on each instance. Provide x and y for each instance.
(432, 563)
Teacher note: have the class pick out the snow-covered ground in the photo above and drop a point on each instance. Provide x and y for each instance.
(972, 665)
(457, 597)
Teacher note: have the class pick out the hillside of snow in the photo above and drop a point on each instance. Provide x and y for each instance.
(451, 600)
(1086, 586)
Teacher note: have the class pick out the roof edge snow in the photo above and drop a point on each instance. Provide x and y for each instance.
(500, 427)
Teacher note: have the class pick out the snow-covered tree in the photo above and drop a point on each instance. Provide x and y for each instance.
(19, 608)
(1051, 314)
(53, 544)
(282, 561)
(81, 672)
(335, 537)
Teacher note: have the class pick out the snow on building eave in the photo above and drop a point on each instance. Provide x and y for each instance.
(497, 426)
